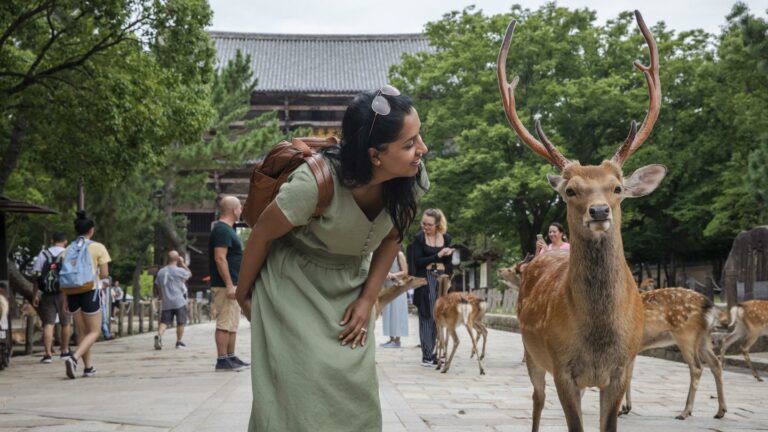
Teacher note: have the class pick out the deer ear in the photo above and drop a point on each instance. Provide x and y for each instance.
(644, 181)
(554, 181)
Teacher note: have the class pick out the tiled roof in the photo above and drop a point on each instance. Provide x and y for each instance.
(322, 63)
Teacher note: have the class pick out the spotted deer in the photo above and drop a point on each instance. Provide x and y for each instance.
(400, 286)
(451, 311)
(581, 316)
(749, 320)
(683, 317)
(648, 284)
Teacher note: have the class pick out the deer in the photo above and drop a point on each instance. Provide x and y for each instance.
(400, 285)
(451, 311)
(749, 320)
(648, 284)
(686, 318)
(581, 316)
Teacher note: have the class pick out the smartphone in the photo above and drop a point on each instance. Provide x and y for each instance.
(539, 237)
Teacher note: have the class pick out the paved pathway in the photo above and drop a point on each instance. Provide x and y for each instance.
(140, 389)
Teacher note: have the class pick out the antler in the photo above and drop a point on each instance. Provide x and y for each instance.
(635, 140)
(546, 150)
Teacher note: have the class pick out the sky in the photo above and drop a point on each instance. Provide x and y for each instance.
(409, 16)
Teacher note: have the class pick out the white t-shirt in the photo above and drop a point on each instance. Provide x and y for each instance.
(40, 260)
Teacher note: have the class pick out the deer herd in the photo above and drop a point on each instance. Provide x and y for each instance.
(582, 317)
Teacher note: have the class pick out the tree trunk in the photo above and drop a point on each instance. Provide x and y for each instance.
(167, 230)
(166, 226)
(13, 152)
(21, 285)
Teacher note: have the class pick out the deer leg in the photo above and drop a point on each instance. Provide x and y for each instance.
(732, 337)
(537, 375)
(455, 338)
(484, 333)
(570, 398)
(691, 357)
(441, 346)
(437, 345)
(745, 352)
(474, 346)
(714, 365)
(610, 401)
(627, 407)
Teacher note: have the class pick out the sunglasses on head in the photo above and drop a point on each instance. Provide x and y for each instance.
(380, 104)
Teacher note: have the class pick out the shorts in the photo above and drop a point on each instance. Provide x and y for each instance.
(89, 302)
(228, 318)
(166, 316)
(50, 305)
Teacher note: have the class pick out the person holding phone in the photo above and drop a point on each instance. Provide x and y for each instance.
(557, 239)
(432, 253)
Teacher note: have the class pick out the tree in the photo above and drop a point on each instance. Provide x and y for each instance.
(578, 79)
(95, 91)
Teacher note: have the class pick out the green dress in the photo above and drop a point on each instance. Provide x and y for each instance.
(303, 379)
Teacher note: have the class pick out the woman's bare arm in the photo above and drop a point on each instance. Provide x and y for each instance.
(272, 224)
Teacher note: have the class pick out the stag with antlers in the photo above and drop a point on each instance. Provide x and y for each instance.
(580, 314)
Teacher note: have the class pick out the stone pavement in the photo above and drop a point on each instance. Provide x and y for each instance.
(140, 389)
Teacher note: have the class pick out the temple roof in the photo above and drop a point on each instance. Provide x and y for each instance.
(344, 64)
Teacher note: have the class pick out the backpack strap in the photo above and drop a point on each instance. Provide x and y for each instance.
(322, 174)
(324, 183)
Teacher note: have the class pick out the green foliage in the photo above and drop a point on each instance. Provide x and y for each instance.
(578, 78)
(146, 282)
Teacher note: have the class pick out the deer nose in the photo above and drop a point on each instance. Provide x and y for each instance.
(599, 212)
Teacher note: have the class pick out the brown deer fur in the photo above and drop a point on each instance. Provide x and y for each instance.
(648, 284)
(683, 317)
(750, 321)
(580, 315)
(451, 311)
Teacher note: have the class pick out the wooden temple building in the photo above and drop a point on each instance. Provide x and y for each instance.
(309, 80)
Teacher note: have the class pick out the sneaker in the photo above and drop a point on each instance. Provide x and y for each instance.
(226, 365)
(236, 360)
(180, 344)
(46, 359)
(65, 355)
(427, 363)
(393, 344)
(89, 372)
(71, 365)
(386, 344)
(158, 342)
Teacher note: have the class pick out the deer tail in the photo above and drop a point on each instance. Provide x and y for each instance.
(737, 314)
(465, 309)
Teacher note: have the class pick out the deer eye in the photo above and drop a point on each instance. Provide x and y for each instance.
(570, 192)
(617, 190)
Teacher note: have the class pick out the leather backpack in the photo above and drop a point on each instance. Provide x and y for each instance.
(280, 162)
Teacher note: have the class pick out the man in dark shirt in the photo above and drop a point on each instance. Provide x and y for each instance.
(225, 250)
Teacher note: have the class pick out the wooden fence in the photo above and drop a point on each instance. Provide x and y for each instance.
(499, 301)
(131, 318)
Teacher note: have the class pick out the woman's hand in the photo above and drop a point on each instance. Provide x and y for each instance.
(540, 245)
(445, 252)
(243, 297)
(356, 319)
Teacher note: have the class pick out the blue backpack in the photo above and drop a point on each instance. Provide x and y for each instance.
(76, 267)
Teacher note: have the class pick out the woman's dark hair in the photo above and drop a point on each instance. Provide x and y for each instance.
(82, 223)
(560, 228)
(351, 160)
